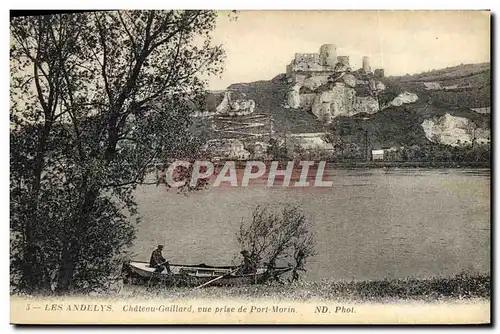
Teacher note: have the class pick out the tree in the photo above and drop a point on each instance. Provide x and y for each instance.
(385, 96)
(40, 82)
(298, 151)
(277, 150)
(273, 238)
(96, 98)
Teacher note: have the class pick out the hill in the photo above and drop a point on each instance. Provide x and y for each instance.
(477, 76)
(394, 126)
(269, 97)
(448, 73)
(400, 126)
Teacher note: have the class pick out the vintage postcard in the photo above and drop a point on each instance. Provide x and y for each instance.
(250, 167)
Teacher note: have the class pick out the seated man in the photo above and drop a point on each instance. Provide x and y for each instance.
(158, 262)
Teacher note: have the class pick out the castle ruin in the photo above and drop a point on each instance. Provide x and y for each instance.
(322, 64)
(325, 84)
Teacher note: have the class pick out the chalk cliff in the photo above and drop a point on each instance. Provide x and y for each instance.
(293, 97)
(335, 100)
(335, 95)
(403, 98)
(235, 105)
(453, 130)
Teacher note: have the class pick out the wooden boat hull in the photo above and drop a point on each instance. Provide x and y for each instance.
(137, 272)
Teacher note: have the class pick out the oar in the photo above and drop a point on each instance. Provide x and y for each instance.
(218, 278)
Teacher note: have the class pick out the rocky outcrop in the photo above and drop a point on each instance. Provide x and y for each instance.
(349, 80)
(293, 97)
(403, 98)
(235, 106)
(453, 130)
(365, 104)
(337, 94)
(241, 107)
(315, 82)
(341, 100)
(224, 105)
(301, 94)
(307, 100)
(336, 100)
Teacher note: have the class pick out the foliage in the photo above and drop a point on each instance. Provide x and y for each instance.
(387, 95)
(441, 153)
(277, 149)
(273, 238)
(96, 98)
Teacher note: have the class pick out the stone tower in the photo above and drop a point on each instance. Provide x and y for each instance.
(328, 55)
(366, 64)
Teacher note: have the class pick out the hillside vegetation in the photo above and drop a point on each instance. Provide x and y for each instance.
(459, 72)
(394, 126)
(269, 97)
(477, 75)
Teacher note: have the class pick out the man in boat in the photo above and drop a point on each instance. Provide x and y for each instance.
(249, 266)
(158, 262)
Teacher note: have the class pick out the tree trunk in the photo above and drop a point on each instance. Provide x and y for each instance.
(71, 252)
(31, 268)
(66, 269)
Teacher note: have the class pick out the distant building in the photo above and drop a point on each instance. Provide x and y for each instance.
(377, 155)
(227, 149)
(311, 141)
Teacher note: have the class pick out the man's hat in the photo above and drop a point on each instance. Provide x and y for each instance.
(244, 251)
(160, 246)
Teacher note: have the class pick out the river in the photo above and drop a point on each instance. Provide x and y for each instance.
(371, 224)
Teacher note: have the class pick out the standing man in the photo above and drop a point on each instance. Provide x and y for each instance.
(158, 262)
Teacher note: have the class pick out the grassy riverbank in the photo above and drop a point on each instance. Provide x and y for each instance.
(459, 287)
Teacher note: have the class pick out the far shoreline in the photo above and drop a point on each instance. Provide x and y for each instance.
(378, 164)
(356, 164)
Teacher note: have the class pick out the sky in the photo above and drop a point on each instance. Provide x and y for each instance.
(259, 44)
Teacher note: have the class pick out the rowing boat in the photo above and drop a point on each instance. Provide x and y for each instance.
(136, 272)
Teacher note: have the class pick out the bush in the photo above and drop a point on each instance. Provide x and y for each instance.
(273, 238)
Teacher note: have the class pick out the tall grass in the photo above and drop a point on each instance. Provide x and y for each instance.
(460, 287)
